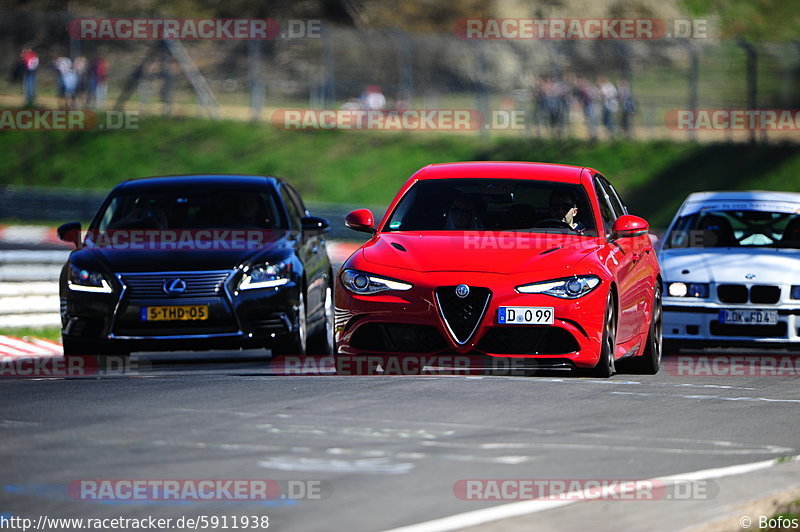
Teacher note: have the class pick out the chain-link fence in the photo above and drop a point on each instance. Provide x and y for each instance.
(571, 88)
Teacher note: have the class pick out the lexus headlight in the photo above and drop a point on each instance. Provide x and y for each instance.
(266, 276)
(688, 289)
(566, 288)
(365, 283)
(82, 280)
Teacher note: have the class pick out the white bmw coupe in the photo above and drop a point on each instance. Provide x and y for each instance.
(731, 266)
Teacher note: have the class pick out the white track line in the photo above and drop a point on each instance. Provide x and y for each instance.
(515, 509)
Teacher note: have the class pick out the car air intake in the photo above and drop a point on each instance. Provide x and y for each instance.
(732, 293)
(765, 294)
(462, 314)
(194, 284)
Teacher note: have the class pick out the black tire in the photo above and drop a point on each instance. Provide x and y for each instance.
(650, 361)
(321, 343)
(294, 343)
(606, 367)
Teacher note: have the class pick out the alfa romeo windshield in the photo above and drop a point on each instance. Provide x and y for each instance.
(494, 205)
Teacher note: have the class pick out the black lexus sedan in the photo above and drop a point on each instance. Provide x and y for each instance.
(198, 262)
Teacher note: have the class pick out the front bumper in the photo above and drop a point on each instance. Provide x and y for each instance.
(412, 323)
(699, 323)
(251, 318)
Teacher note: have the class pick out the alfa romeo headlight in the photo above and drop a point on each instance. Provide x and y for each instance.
(364, 283)
(566, 288)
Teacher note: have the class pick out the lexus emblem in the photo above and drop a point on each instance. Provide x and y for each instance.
(750, 276)
(462, 291)
(174, 287)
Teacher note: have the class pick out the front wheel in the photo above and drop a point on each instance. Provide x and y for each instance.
(294, 343)
(650, 362)
(321, 342)
(605, 367)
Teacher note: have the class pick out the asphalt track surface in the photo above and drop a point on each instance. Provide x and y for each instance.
(385, 451)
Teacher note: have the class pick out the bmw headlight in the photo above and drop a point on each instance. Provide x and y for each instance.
(81, 280)
(688, 290)
(266, 276)
(366, 283)
(566, 288)
(795, 294)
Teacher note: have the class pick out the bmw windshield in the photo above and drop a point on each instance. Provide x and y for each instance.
(736, 228)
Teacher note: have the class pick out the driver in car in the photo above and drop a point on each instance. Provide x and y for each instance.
(464, 213)
(564, 207)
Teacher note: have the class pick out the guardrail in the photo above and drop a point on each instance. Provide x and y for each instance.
(37, 204)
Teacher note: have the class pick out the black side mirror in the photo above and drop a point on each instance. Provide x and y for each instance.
(315, 223)
(71, 233)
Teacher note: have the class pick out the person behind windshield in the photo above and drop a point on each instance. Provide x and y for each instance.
(564, 207)
(464, 213)
(147, 213)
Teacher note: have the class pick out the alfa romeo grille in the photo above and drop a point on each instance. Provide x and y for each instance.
(151, 285)
(462, 315)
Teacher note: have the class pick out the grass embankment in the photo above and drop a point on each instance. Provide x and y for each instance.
(49, 333)
(368, 167)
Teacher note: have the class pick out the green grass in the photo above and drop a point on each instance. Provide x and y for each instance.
(48, 333)
(368, 167)
(790, 513)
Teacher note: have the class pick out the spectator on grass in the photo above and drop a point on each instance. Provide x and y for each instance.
(26, 68)
(67, 81)
(610, 104)
(98, 89)
(627, 106)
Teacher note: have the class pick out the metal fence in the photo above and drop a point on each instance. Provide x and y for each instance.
(547, 81)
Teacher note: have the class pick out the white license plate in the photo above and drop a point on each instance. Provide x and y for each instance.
(525, 315)
(749, 317)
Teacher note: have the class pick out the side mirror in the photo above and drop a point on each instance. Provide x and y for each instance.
(361, 220)
(628, 225)
(315, 223)
(71, 233)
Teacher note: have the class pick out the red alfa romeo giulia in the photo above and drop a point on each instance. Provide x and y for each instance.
(508, 260)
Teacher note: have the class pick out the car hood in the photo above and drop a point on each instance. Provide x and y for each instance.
(504, 253)
(723, 265)
(224, 256)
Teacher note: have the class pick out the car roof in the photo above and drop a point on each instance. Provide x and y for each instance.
(171, 181)
(741, 199)
(502, 170)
